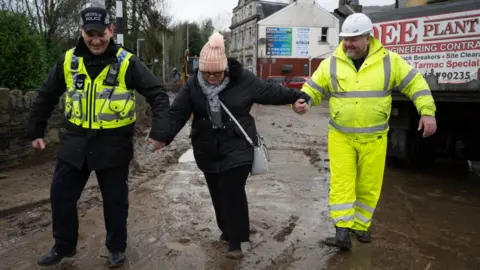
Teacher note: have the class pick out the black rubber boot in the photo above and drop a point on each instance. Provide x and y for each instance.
(53, 257)
(341, 240)
(116, 259)
(362, 236)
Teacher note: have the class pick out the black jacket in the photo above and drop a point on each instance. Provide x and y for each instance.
(223, 149)
(105, 148)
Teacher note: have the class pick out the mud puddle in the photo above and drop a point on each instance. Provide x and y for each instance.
(172, 223)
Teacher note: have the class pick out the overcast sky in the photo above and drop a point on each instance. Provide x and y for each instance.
(221, 10)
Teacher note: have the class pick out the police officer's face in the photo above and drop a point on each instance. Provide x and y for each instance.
(97, 42)
(356, 47)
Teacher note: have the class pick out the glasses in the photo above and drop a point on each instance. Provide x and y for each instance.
(214, 74)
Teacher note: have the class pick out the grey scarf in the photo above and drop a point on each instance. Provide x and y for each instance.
(211, 92)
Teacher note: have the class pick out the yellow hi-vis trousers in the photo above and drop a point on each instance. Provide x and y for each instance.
(357, 166)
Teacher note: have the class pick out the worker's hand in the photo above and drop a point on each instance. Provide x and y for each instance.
(428, 124)
(155, 145)
(300, 106)
(38, 144)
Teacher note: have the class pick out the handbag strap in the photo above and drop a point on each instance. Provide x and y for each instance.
(238, 124)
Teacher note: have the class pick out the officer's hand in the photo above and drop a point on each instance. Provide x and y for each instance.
(155, 145)
(38, 144)
(300, 106)
(429, 125)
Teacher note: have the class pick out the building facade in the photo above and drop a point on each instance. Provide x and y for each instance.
(244, 29)
(294, 40)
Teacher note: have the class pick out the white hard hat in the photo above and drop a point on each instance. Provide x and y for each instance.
(357, 24)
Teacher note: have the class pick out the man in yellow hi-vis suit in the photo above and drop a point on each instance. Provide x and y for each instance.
(358, 79)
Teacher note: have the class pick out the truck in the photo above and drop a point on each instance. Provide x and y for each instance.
(441, 40)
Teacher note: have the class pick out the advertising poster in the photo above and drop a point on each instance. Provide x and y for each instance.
(302, 41)
(446, 45)
(279, 41)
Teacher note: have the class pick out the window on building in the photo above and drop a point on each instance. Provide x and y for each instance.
(324, 36)
(249, 35)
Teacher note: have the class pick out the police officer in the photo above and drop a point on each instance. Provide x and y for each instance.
(98, 79)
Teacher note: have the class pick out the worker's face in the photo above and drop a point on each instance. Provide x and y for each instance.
(214, 78)
(97, 42)
(356, 47)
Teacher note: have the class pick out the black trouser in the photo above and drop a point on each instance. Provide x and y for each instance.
(227, 190)
(67, 186)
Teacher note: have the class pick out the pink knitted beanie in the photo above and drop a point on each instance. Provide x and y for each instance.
(212, 56)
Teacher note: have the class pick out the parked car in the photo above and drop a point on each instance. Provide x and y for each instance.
(276, 79)
(296, 82)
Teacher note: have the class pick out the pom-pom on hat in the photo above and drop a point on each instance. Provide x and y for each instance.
(212, 56)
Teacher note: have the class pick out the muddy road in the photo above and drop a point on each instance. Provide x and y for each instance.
(425, 219)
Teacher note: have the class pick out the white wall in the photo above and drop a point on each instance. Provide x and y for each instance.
(304, 14)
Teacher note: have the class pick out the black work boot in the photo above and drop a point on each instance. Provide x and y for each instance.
(362, 236)
(53, 257)
(116, 259)
(341, 240)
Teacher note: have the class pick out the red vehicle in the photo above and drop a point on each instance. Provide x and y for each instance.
(296, 82)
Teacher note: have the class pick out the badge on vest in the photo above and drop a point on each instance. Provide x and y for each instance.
(80, 82)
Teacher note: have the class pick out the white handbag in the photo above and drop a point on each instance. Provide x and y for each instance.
(260, 152)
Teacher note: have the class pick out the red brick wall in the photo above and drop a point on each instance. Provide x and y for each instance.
(276, 68)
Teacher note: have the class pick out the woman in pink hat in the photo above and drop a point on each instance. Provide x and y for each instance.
(221, 151)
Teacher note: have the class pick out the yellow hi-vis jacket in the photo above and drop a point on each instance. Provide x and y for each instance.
(360, 102)
(101, 103)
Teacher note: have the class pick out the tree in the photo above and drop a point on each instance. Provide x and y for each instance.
(22, 55)
(207, 29)
(195, 39)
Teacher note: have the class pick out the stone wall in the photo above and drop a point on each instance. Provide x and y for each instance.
(15, 148)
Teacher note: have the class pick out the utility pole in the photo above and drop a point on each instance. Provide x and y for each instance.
(119, 26)
(188, 34)
(163, 57)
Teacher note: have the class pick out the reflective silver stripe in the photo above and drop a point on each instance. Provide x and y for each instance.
(333, 73)
(362, 94)
(407, 79)
(344, 218)
(365, 207)
(362, 217)
(342, 206)
(111, 117)
(421, 93)
(317, 87)
(114, 97)
(359, 130)
(387, 68)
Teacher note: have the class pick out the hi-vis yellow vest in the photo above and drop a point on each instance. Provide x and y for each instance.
(360, 101)
(103, 103)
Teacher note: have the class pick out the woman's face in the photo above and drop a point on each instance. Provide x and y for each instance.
(214, 78)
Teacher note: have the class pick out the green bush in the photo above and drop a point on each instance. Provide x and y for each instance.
(22, 54)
